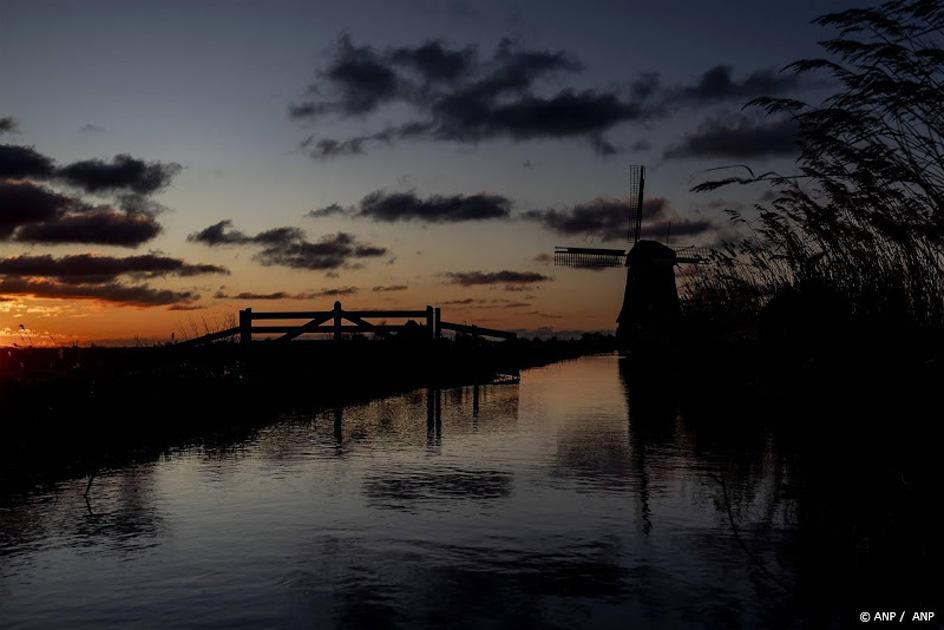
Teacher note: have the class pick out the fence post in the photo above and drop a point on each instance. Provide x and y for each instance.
(245, 326)
(337, 321)
(430, 329)
(437, 323)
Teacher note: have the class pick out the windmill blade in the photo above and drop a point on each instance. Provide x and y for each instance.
(693, 255)
(589, 257)
(637, 186)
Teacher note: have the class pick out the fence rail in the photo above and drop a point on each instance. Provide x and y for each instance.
(332, 322)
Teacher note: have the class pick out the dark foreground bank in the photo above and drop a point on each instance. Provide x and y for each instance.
(73, 411)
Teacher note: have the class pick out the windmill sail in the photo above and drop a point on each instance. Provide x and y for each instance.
(692, 255)
(584, 257)
(637, 186)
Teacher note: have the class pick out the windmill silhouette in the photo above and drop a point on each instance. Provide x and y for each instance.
(650, 301)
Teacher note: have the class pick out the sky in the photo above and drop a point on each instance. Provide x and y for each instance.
(165, 164)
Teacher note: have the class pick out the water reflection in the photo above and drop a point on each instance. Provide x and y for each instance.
(582, 497)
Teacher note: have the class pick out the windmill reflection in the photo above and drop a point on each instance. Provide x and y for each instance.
(653, 412)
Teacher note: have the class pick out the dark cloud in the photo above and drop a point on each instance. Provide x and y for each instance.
(219, 234)
(717, 84)
(740, 138)
(122, 173)
(331, 252)
(140, 295)
(645, 85)
(8, 125)
(91, 269)
(470, 278)
(287, 246)
(392, 287)
(222, 234)
(435, 62)
(328, 211)
(329, 147)
(361, 78)
(90, 128)
(246, 295)
(283, 295)
(602, 146)
(23, 203)
(603, 219)
(391, 207)
(18, 162)
(31, 212)
(335, 292)
(460, 96)
(100, 226)
(568, 113)
(668, 228)
(35, 214)
(461, 302)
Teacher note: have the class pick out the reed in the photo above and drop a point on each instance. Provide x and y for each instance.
(856, 236)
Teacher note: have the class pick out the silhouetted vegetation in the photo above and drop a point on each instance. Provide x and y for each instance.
(851, 248)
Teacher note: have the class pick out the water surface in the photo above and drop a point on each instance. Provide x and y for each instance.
(562, 501)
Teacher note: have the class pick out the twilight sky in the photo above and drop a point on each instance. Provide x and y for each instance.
(164, 164)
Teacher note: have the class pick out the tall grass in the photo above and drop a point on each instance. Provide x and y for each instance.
(861, 224)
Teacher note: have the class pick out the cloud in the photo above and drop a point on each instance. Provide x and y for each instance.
(17, 162)
(88, 268)
(101, 226)
(283, 295)
(122, 173)
(222, 234)
(392, 207)
(33, 213)
(434, 62)
(717, 84)
(328, 211)
(90, 277)
(139, 295)
(668, 228)
(8, 125)
(287, 246)
(471, 278)
(247, 295)
(603, 219)
(739, 137)
(331, 252)
(392, 287)
(457, 94)
(335, 292)
(461, 302)
(36, 214)
(90, 128)
(23, 203)
(329, 147)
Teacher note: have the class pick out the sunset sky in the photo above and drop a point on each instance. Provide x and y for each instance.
(164, 164)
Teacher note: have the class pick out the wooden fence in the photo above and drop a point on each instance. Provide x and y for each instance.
(333, 322)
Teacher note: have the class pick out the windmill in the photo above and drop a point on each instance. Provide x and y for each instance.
(650, 300)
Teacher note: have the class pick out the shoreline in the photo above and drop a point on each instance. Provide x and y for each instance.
(72, 411)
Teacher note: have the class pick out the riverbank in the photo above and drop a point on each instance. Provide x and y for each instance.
(71, 411)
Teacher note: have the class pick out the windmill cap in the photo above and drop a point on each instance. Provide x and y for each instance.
(652, 253)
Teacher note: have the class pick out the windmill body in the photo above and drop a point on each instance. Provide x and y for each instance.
(649, 316)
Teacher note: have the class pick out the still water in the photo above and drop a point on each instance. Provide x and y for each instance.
(544, 503)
